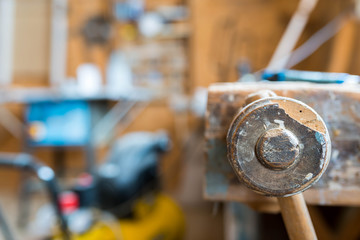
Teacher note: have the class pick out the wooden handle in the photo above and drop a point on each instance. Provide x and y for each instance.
(296, 218)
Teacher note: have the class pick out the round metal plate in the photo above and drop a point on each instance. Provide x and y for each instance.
(308, 152)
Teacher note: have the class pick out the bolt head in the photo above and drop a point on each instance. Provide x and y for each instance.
(277, 149)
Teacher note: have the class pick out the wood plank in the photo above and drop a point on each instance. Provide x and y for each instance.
(343, 47)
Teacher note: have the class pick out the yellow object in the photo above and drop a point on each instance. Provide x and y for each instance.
(37, 131)
(128, 32)
(100, 231)
(161, 219)
(154, 218)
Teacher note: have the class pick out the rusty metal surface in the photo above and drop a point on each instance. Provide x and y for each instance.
(338, 105)
(278, 146)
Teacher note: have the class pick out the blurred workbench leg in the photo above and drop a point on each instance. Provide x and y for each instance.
(323, 231)
(349, 228)
(240, 222)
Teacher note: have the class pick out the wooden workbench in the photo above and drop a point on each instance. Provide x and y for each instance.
(338, 105)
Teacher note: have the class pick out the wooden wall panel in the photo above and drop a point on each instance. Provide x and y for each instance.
(231, 31)
(32, 41)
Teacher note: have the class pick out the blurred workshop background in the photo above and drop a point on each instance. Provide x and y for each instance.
(110, 96)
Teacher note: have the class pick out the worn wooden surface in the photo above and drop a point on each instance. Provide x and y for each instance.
(336, 104)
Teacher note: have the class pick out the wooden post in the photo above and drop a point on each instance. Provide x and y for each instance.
(343, 47)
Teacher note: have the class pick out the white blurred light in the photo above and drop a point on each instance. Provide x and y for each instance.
(89, 79)
(45, 173)
(151, 24)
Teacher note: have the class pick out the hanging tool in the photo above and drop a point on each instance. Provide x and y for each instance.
(280, 147)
